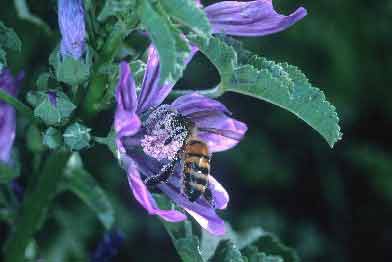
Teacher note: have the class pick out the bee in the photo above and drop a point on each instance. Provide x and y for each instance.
(193, 154)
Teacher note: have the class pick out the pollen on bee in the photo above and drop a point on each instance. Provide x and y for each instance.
(165, 135)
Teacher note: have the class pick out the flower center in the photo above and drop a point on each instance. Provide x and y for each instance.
(166, 133)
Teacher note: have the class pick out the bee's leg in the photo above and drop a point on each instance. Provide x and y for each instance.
(208, 196)
(163, 175)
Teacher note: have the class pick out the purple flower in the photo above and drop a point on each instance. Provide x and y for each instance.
(143, 126)
(72, 28)
(10, 85)
(254, 18)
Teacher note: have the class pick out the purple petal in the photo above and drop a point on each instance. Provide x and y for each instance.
(126, 121)
(227, 131)
(72, 28)
(194, 103)
(125, 124)
(144, 197)
(126, 89)
(204, 215)
(254, 18)
(7, 131)
(10, 85)
(219, 193)
(52, 98)
(152, 94)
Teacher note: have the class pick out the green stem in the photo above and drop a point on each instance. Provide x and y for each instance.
(98, 82)
(33, 210)
(212, 93)
(22, 108)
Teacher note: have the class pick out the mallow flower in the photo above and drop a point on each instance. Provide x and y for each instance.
(10, 85)
(72, 28)
(143, 127)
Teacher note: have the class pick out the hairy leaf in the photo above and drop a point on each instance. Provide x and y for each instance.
(277, 83)
(82, 184)
(9, 39)
(227, 252)
(77, 136)
(189, 14)
(171, 45)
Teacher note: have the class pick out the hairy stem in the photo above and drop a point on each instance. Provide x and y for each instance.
(34, 207)
(22, 108)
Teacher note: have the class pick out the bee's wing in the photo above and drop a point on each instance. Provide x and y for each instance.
(222, 132)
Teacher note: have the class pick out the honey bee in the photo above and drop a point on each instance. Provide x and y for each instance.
(193, 154)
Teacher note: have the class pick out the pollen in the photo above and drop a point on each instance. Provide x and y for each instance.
(165, 134)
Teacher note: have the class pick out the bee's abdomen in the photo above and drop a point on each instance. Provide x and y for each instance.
(196, 169)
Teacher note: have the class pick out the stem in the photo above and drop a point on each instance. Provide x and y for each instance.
(16, 103)
(98, 82)
(212, 93)
(33, 210)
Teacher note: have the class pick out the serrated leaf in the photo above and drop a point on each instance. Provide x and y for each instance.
(171, 45)
(186, 244)
(270, 245)
(9, 39)
(188, 13)
(277, 83)
(82, 184)
(227, 252)
(49, 113)
(24, 13)
(72, 71)
(116, 8)
(52, 138)
(77, 136)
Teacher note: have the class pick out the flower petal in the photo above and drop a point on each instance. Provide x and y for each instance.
(152, 94)
(219, 193)
(194, 103)
(125, 124)
(7, 131)
(254, 18)
(204, 215)
(144, 197)
(126, 89)
(218, 130)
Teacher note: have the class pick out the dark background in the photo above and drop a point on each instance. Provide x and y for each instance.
(330, 205)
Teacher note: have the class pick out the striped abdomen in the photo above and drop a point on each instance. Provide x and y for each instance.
(196, 169)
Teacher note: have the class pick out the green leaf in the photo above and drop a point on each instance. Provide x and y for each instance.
(52, 114)
(172, 47)
(72, 71)
(77, 136)
(42, 81)
(186, 244)
(24, 13)
(270, 245)
(227, 252)
(253, 255)
(116, 8)
(9, 39)
(52, 138)
(35, 205)
(82, 184)
(188, 13)
(7, 173)
(277, 83)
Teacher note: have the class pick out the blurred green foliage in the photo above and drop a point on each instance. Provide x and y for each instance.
(329, 205)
